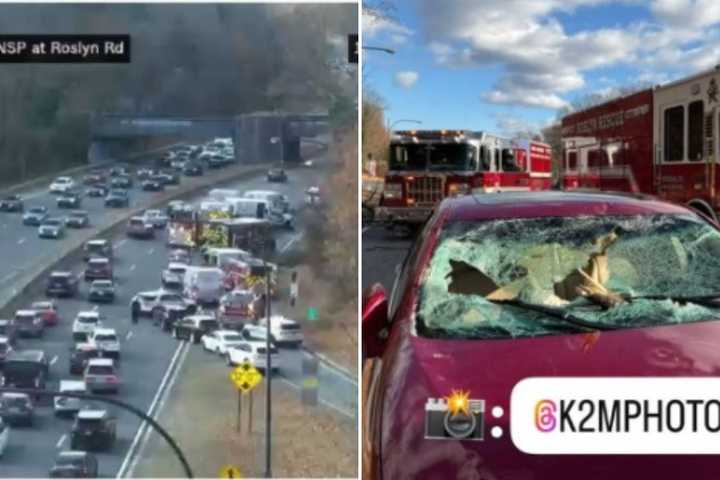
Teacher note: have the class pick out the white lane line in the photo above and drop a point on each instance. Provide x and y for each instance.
(158, 409)
(61, 441)
(95, 308)
(132, 267)
(290, 242)
(8, 276)
(143, 425)
(54, 359)
(129, 334)
(21, 241)
(119, 244)
(323, 401)
(151, 251)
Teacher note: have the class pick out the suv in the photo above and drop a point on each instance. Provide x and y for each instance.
(17, 409)
(30, 323)
(194, 327)
(69, 199)
(106, 341)
(77, 219)
(85, 322)
(117, 198)
(51, 228)
(98, 268)
(61, 184)
(61, 284)
(35, 216)
(101, 375)
(11, 203)
(121, 181)
(139, 227)
(64, 405)
(25, 369)
(48, 310)
(173, 275)
(101, 291)
(155, 217)
(97, 248)
(74, 464)
(8, 330)
(284, 331)
(147, 303)
(255, 352)
(80, 353)
(94, 429)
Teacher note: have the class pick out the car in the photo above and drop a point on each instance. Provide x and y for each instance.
(61, 184)
(276, 175)
(101, 375)
(17, 409)
(93, 179)
(63, 405)
(152, 302)
(29, 323)
(48, 311)
(179, 163)
(155, 217)
(180, 255)
(98, 247)
(179, 208)
(74, 464)
(106, 341)
(35, 216)
(219, 341)
(25, 369)
(169, 177)
(77, 219)
(80, 353)
(154, 183)
(172, 277)
(5, 348)
(85, 322)
(312, 196)
(139, 227)
(193, 327)
(69, 199)
(94, 429)
(4, 436)
(204, 285)
(193, 169)
(236, 308)
(11, 203)
(216, 161)
(121, 181)
(254, 352)
(51, 228)
(118, 172)
(8, 331)
(61, 284)
(101, 291)
(98, 268)
(97, 191)
(117, 198)
(284, 331)
(144, 173)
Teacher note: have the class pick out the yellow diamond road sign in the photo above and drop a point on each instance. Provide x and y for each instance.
(246, 377)
(230, 471)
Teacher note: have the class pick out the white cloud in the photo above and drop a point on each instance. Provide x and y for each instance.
(687, 14)
(373, 25)
(406, 79)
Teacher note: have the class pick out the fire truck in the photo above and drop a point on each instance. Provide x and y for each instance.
(660, 141)
(427, 166)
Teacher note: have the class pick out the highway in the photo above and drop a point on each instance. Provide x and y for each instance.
(382, 253)
(147, 352)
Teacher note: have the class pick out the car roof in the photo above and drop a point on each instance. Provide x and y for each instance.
(88, 313)
(177, 265)
(3, 338)
(26, 312)
(510, 205)
(79, 212)
(88, 414)
(101, 362)
(226, 332)
(101, 282)
(15, 395)
(43, 304)
(97, 241)
(73, 453)
(60, 274)
(200, 316)
(104, 331)
(72, 385)
(84, 346)
(27, 355)
(99, 259)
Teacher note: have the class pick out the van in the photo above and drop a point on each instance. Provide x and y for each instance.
(277, 201)
(248, 207)
(204, 285)
(220, 257)
(213, 206)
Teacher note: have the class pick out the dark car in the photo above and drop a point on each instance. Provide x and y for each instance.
(137, 227)
(192, 328)
(61, 284)
(35, 216)
(11, 203)
(17, 409)
(122, 181)
(216, 161)
(93, 179)
(8, 329)
(5, 348)
(25, 369)
(155, 183)
(80, 353)
(98, 268)
(118, 171)
(170, 177)
(77, 219)
(276, 175)
(69, 199)
(143, 173)
(193, 169)
(97, 191)
(93, 429)
(102, 291)
(117, 198)
(74, 464)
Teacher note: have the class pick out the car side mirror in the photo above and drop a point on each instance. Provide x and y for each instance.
(374, 320)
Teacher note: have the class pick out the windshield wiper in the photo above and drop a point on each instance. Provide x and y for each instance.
(566, 317)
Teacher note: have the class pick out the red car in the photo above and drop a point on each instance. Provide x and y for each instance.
(48, 310)
(502, 287)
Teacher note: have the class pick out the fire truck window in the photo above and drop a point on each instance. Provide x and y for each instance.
(674, 134)
(696, 112)
(509, 163)
(485, 160)
(572, 160)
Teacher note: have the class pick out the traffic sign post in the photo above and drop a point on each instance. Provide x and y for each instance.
(309, 392)
(230, 471)
(312, 314)
(245, 377)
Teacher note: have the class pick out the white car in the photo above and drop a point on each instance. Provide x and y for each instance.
(253, 351)
(62, 184)
(101, 375)
(284, 331)
(155, 217)
(4, 436)
(220, 340)
(85, 322)
(63, 405)
(146, 302)
(106, 340)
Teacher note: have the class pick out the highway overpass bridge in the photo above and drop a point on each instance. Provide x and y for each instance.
(261, 137)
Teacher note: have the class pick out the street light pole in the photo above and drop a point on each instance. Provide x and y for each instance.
(268, 374)
(380, 49)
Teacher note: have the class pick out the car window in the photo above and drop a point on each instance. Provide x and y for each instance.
(401, 279)
(101, 370)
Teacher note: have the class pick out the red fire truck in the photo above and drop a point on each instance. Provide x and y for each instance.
(426, 166)
(661, 141)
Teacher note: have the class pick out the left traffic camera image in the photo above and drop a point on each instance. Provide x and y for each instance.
(178, 222)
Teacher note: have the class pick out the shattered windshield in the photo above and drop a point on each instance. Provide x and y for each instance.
(616, 271)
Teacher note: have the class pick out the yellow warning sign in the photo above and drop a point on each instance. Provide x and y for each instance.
(246, 377)
(230, 471)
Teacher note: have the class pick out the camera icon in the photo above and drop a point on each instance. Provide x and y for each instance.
(441, 424)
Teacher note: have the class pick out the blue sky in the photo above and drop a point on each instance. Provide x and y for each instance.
(510, 65)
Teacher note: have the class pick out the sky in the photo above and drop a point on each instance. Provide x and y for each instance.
(507, 66)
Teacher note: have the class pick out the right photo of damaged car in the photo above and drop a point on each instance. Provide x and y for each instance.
(540, 201)
(180, 236)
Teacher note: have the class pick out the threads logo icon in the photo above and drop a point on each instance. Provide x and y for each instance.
(545, 420)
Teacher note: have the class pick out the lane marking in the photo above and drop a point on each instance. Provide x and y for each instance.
(132, 267)
(129, 334)
(21, 241)
(323, 401)
(290, 242)
(120, 244)
(61, 441)
(54, 359)
(9, 276)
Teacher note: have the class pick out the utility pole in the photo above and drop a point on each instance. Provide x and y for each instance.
(268, 374)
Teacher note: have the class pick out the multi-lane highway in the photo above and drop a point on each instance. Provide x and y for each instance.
(383, 251)
(147, 352)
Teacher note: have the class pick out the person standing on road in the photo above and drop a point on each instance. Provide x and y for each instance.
(293, 288)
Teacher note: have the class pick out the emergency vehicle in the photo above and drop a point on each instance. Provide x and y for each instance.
(661, 141)
(426, 166)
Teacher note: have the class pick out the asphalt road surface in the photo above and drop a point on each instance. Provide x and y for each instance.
(382, 252)
(147, 352)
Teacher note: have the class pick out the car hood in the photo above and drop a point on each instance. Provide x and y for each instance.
(416, 369)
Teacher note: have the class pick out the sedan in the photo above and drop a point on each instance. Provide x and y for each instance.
(62, 184)
(77, 219)
(69, 199)
(220, 340)
(48, 310)
(97, 191)
(11, 203)
(51, 228)
(153, 184)
(17, 409)
(101, 291)
(74, 464)
(117, 198)
(193, 169)
(502, 287)
(122, 181)
(276, 175)
(35, 216)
